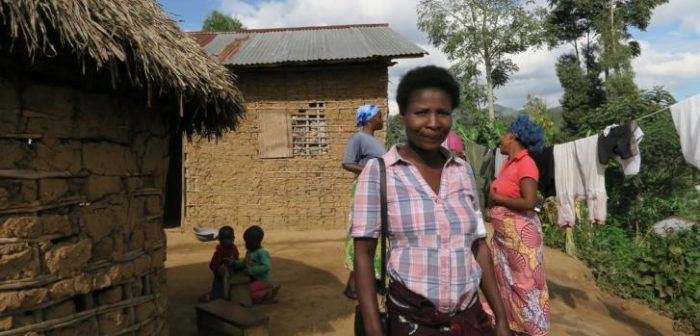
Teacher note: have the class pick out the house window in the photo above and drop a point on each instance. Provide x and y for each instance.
(310, 131)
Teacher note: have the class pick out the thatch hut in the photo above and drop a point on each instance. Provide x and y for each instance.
(94, 97)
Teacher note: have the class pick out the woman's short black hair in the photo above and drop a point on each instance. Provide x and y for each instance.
(424, 77)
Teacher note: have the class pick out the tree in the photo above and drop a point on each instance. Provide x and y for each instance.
(472, 95)
(217, 21)
(536, 109)
(598, 31)
(481, 32)
(395, 130)
(583, 92)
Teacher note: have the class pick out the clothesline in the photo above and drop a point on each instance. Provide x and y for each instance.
(652, 113)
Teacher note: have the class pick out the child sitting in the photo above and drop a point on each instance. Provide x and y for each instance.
(225, 255)
(257, 265)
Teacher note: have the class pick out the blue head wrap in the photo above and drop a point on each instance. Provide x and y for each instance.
(528, 133)
(365, 113)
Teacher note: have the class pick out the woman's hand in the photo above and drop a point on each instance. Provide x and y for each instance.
(502, 328)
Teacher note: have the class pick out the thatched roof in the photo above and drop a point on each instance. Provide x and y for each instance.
(137, 43)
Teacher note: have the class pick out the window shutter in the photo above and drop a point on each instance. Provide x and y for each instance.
(274, 137)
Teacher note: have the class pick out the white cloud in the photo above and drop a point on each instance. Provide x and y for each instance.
(673, 67)
(685, 13)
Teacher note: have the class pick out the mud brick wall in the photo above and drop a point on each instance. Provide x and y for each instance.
(227, 183)
(81, 242)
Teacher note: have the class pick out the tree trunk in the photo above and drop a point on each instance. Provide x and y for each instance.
(489, 91)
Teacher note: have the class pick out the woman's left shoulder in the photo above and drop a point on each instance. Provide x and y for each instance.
(462, 162)
(528, 167)
(528, 160)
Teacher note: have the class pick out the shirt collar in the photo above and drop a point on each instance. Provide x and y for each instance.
(393, 157)
(521, 154)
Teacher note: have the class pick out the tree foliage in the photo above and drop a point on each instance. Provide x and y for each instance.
(582, 92)
(395, 132)
(481, 32)
(538, 112)
(598, 31)
(217, 21)
(623, 255)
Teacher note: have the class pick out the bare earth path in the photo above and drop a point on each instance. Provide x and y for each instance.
(309, 266)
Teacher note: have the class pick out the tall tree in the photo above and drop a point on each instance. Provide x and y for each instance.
(217, 21)
(481, 32)
(598, 31)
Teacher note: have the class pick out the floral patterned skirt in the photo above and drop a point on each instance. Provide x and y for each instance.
(516, 249)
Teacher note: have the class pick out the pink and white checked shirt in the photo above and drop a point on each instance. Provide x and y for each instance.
(430, 235)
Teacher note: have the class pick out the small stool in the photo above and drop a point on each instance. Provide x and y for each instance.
(223, 318)
(239, 289)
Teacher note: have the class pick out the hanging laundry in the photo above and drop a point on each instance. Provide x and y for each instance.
(621, 143)
(578, 174)
(632, 165)
(545, 164)
(616, 141)
(481, 159)
(499, 159)
(686, 118)
(593, 177)
(568, 181)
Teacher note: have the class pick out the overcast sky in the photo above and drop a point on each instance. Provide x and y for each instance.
(670, 46)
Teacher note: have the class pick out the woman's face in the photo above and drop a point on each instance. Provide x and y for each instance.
(377, 121)
(428, 118)
(506, 140)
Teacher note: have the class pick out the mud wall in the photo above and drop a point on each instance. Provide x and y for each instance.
(228, 183)
(81, 198)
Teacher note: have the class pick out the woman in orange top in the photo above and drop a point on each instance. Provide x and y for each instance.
(516, 246)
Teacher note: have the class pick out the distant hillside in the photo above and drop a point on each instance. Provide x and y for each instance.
(504, 110)
(556, 113)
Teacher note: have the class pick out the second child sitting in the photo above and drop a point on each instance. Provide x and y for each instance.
(257, 265)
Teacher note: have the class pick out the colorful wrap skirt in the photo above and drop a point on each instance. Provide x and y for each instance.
(516, 249)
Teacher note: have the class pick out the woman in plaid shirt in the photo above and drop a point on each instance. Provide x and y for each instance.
(438, 257)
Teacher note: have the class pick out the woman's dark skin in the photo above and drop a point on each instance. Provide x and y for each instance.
(374, 124)
(428, 119)
(528, 186)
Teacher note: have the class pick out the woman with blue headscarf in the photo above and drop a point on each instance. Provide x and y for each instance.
(362, 147)
(516, 246)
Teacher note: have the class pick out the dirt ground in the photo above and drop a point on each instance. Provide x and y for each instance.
(309, 267)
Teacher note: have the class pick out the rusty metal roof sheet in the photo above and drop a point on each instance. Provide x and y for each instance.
(306, 44)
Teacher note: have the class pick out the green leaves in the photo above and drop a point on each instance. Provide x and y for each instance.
(482, 32)
(217, 21)
(663, 272)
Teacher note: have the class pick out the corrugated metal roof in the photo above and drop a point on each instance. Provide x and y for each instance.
(306, 44)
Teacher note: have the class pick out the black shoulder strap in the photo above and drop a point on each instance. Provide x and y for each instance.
(384, 223)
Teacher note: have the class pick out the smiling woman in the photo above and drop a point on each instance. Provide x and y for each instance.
(438, 256)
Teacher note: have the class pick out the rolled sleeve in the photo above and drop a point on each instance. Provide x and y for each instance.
(528, 169)
(480, 230)
(366, 209)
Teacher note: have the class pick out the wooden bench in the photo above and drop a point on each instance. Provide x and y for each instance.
(223, 318)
